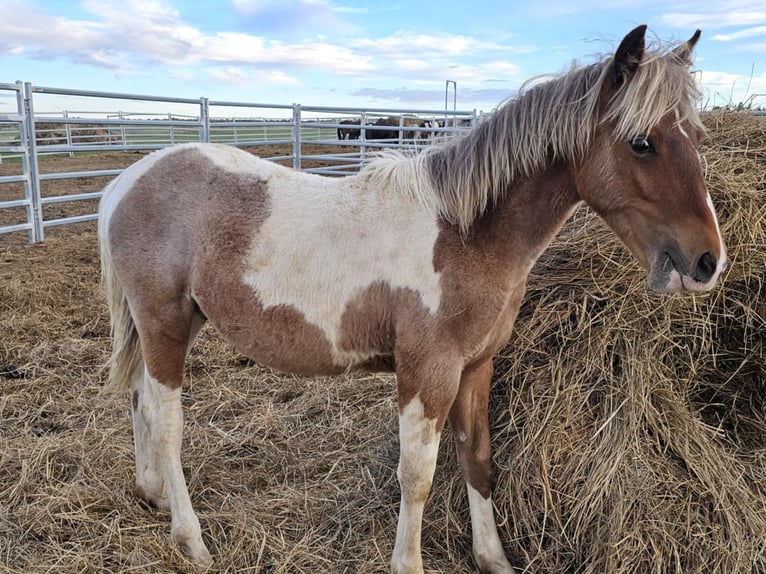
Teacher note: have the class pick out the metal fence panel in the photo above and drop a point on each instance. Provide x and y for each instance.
(28, 137)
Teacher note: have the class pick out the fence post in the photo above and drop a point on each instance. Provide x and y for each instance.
(297, 136)
(362, 137)
(204, 118)
(68, 131)
(37, 233)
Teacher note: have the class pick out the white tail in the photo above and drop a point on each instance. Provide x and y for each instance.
(126, 347)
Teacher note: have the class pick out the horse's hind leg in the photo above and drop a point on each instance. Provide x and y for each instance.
(149, 482)
(159, 421)
(470, 427)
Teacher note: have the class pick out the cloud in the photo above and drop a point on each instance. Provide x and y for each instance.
(121, 39)
(746, 33)
(280, 17)
(244, 77)
(136, 36)
(441, 56)
(440, 44)
(715, 15)
(247, 49)
(724, 88)
(490, 97)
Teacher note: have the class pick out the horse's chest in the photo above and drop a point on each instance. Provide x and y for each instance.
(493, 323)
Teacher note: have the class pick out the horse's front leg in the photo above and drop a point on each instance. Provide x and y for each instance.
(423, 406)
(470, 427)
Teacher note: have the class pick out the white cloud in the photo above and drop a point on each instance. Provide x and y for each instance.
(746, 33)
(724, 88)
(248, 78)
(715, 14)
(133, 36)
(145, 37)
(407, 42)
(293, 16)
(123, 40)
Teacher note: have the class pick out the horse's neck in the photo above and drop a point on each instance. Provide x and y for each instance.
(525, 221)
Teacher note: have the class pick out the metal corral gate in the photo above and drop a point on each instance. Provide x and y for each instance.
(27, 136)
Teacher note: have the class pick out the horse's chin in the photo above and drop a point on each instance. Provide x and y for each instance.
(666, 282)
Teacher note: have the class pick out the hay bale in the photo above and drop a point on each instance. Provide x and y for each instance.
(630, 428)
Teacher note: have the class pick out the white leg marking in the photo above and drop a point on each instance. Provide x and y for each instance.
(419, 447)
(161, 410)
(149, 482)
(487, 548)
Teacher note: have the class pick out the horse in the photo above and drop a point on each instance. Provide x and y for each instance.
(412, 135)
(434, 125)
(415, 265)
(383, 134)
(345, 133)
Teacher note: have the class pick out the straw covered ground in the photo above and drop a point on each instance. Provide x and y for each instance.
(629, 429)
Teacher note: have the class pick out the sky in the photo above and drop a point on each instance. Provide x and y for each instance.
(362, 54)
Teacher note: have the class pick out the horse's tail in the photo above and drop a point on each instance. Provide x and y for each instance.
(126, 347)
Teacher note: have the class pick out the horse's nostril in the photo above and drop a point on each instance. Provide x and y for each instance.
(705, 269)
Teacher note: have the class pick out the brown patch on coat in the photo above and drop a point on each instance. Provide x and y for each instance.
(483, 282)
(484, 273)
(278, 336)
(174, 266)
(470, 427)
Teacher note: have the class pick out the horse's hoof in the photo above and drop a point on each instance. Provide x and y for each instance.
(188, 537)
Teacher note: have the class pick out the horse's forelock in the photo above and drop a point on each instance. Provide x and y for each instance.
(662, 85)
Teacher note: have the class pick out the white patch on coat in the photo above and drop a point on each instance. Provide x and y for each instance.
(326, 240)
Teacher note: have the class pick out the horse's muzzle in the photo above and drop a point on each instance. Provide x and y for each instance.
(672, 271)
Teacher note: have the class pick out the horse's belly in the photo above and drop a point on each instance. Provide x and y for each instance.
(281, 337)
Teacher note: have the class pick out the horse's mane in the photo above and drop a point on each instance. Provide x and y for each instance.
(547, 122)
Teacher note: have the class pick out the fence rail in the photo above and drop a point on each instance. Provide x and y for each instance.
(28, 138)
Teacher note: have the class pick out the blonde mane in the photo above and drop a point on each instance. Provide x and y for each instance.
(548, 122)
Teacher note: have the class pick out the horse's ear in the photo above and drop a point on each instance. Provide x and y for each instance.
(628, 56)
(684, 51)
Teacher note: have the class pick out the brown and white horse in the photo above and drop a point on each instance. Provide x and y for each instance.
(417, 264)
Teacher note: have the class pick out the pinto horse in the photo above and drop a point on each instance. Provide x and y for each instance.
(415, 265)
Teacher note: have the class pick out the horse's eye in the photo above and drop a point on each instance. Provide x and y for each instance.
(642, 145)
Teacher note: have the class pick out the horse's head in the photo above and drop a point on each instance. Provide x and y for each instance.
(642, 171)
